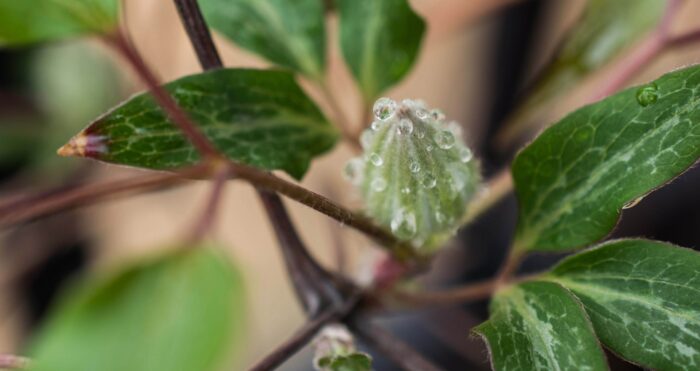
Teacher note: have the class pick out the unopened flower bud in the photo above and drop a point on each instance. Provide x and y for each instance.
(416, 174)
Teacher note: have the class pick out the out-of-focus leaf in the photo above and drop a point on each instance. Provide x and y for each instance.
(290, 33)
(574, 179)
(540, 326)
(181, 312)
(29, 21)
(605, 29)
(258, 117)
(643, 298)
(380, 41)
(18, 139)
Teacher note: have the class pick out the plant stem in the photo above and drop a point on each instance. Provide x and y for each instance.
(12, 362)
(470, 292)
(315, 288)
(177, 115)
(396, 350)
(22, 209)
(304, 335)
(199, 34)
(204, 223)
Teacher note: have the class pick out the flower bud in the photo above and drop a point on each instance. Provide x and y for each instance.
(416, 175)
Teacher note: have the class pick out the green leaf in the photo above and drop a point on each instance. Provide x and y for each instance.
(350, 362)
(380, 41)
(540, 326)
(572, 181)
(643, 298)
(181, 312)
(258, 117)
(289, 33)
(605, 30)
(29, 21)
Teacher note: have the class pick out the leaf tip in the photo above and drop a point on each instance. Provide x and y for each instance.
(83, 145)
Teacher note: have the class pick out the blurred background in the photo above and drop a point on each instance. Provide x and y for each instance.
(478, 57)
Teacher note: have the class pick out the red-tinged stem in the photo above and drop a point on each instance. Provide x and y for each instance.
(304, 335)
(176, 114)
(205, 221)
(470, 292)
(22, 209)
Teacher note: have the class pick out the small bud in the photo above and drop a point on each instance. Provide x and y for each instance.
(417, 176)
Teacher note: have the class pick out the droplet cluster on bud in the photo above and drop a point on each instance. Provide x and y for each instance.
(416, 175)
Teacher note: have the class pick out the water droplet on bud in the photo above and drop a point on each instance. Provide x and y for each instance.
(376, 160)
(353, 170)
(422, 114)
(403, 224)
(429, 181)
(384, 109)
(465, 155)
(445, 139)
(414, 167)
(647, 94)
(376, 125)
(405, 127)
(378, 185)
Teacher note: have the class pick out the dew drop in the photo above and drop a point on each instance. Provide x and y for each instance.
(376, 160)
(444, 139)
(648, 94)
(414, 167)
(465, 155)
(632, 203)
(455, 128)
(422, 113)
(366, 139)
(405, 127)
(429, 148)
(406, 190)
(378, 184)
(403, 224)
(353, 170)
(429, 181)
(376, 125)
(384, 109)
